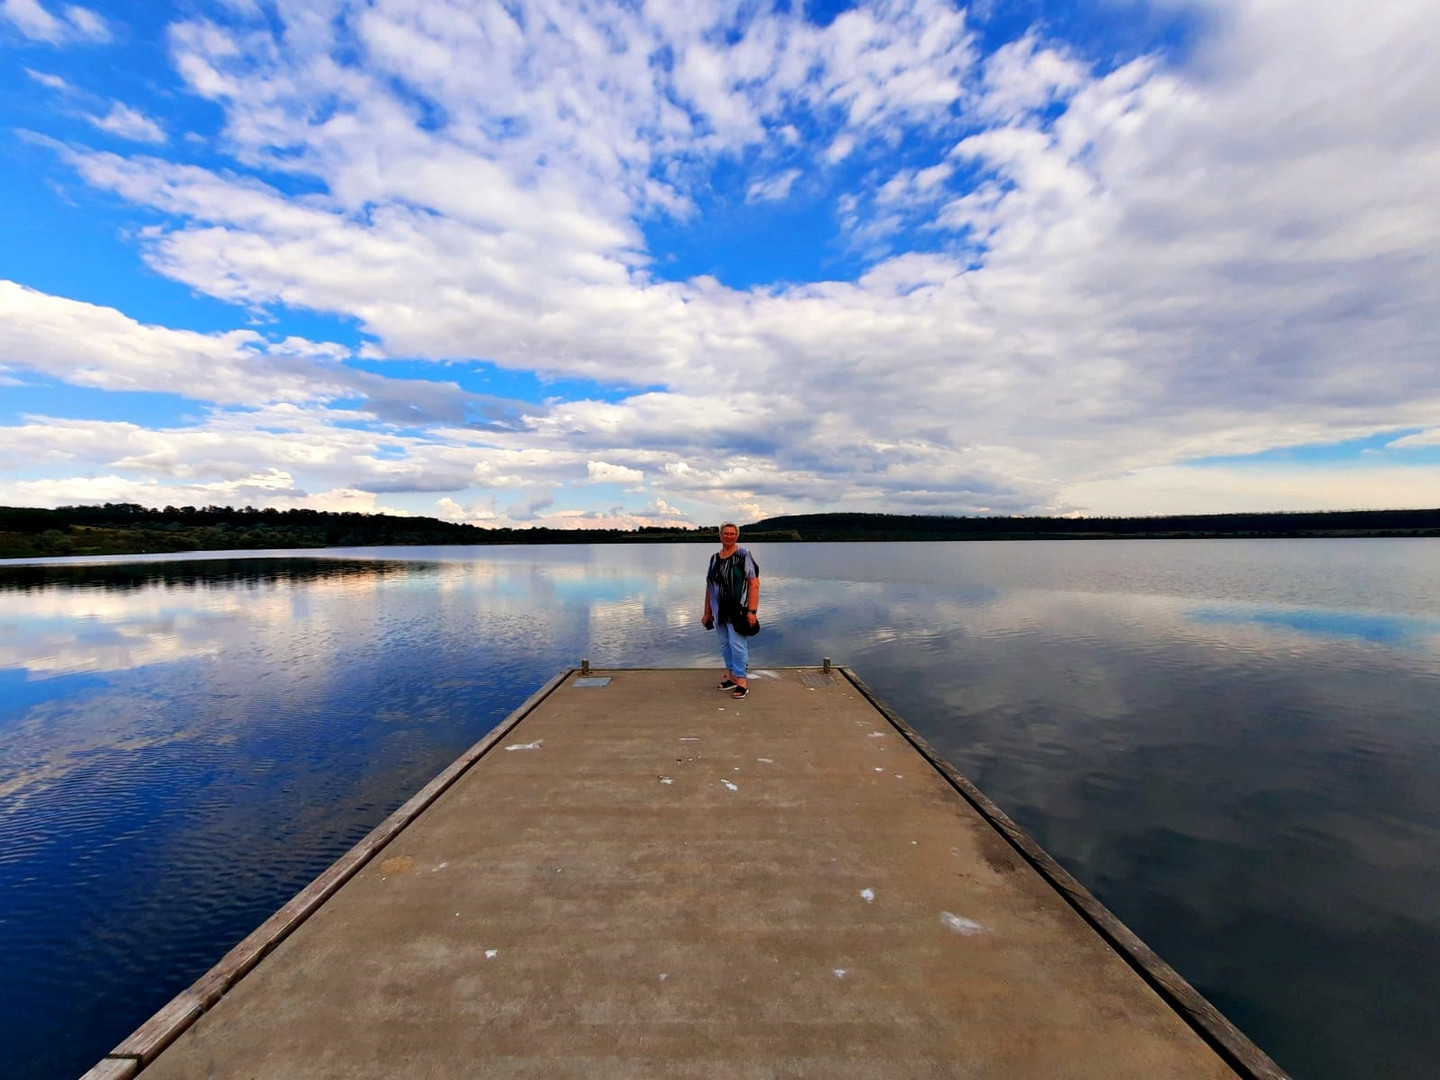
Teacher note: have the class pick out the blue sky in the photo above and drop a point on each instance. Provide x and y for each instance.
(634, 263)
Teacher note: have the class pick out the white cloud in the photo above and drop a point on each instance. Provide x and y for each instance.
(1170, 489)
(87, 23)
(476, 514)
(36, 22)
(32, 20)
(128, 123)
(261, 490)
(928, 179)
(278, 457)
(912, 186)
(615, 517)
(603, 472)
(98, 347)
(661, 509)
(1430, 437)
(839, 149)
(772, 188)
(92, 346)
(1024, 76)
(49, 81)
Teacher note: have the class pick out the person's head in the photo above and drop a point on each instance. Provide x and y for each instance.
(729, 533)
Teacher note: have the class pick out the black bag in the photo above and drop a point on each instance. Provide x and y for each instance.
(743, 626)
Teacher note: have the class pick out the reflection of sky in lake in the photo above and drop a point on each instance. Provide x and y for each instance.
(1380, 629)
(1233, 743)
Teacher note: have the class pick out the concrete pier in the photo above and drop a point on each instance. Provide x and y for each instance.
(637, 876)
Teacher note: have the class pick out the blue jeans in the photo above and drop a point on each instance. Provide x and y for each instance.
(734, 650)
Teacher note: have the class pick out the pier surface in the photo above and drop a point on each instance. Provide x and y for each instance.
(646, 878)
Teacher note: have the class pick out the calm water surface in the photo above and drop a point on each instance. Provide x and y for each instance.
(1235, 744)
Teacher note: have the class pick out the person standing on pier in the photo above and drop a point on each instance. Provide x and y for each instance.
(732, 599)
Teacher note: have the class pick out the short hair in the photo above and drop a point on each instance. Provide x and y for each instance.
(730, 525)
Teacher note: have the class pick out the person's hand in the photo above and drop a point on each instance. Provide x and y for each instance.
(707, 621)
(751, 616)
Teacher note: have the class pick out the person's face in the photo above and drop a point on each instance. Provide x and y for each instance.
(729, 536)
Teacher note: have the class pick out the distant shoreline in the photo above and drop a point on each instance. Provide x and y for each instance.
(129, 529)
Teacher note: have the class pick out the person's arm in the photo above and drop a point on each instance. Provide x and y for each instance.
(753, 598)
(707, 616)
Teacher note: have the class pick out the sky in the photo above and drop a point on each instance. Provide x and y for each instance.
(610, 264)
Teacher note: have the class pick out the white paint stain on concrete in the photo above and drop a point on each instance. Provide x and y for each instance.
(766, 760)
(729, 785)
(538, 744)
(962, 925)
(868, 895)
(877, 734)
(664, 975)
(689, 738)
(879, 768)
(439, 866)
(490, 954)
(840, 973)
(666, 780)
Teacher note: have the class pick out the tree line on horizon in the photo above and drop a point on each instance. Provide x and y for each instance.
(862, 526)
(129, 528)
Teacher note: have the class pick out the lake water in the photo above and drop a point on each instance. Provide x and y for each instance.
(1235, 744)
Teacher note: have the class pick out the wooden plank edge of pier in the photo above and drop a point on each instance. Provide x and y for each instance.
(1208, 1022)
(143, 1045)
